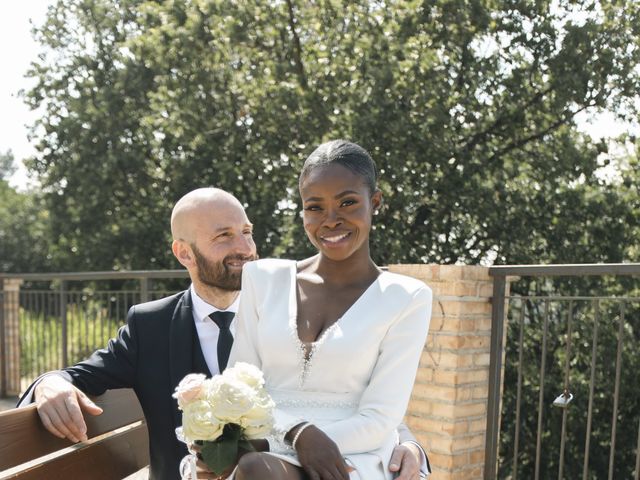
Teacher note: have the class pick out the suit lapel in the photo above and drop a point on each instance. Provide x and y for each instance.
(184, 348)
(181, 346)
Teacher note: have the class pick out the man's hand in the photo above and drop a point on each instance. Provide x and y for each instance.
(406, 459)
(60, 407)
(320, 457)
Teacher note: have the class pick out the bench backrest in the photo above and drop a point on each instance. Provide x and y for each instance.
(118, 443)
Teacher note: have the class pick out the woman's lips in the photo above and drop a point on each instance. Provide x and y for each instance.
(335, 239)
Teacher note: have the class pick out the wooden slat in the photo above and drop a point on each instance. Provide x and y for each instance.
(23, 437)
(110, 456)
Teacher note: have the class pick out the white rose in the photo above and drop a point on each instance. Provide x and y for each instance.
(230, 399)
(199, 422)
(262, 409)
(189, 389)
(258, 421)
(246, 373)
(258, 431)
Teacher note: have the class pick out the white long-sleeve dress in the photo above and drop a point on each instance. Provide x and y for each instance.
(356, 383)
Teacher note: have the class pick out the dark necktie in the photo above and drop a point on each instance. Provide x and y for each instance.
(225, 338)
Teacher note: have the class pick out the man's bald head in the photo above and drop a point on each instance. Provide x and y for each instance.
(195, 206)
(212, 239)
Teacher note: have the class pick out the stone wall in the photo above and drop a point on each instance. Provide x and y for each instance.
(448, 408)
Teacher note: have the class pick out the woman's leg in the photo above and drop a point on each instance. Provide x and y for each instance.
(262, 466)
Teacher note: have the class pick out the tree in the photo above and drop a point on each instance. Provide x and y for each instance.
(24, 242)
(7, 164)
(467, 107)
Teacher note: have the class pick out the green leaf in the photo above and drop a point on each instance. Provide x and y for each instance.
(223, 453)
(245, 444)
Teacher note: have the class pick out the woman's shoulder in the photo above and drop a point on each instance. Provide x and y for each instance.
(269, 266)
(399, 284)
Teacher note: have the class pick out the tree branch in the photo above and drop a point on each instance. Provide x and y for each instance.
(566, 117)
(297, 48)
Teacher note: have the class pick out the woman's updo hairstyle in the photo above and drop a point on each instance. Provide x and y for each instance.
(347, 154)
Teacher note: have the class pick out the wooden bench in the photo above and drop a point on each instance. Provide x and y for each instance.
(117, 445)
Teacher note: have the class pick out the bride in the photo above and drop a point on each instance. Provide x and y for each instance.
(337, 338)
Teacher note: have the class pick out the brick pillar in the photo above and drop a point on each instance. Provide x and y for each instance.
(11, 350)
(448, 408)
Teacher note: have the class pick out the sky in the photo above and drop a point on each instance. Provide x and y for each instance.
(15, 32)
(18, 50)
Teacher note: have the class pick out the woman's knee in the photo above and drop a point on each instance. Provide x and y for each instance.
(253, 465)
(261, 466)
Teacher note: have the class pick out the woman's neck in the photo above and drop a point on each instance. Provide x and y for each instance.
(358, 268)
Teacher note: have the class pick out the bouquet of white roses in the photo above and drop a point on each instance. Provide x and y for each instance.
(221, 414)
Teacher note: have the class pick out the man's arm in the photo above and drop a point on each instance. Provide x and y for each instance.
(60, 402)
(409, 459)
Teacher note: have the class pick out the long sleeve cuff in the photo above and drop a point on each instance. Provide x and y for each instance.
(28, 397)
(425, 467)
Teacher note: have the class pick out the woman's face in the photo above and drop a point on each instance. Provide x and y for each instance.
(337, 210)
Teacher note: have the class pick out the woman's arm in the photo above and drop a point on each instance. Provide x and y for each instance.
(245, 344)
(385, 399)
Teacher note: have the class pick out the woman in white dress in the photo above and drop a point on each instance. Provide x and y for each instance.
(338, 339)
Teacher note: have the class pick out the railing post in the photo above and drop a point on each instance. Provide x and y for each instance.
(144, 289)
(3, 351)
(11, 336)
(63, 319)
(495, 378)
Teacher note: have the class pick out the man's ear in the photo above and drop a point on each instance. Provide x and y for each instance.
(183, 253)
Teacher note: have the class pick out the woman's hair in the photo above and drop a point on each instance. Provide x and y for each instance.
(347, 154)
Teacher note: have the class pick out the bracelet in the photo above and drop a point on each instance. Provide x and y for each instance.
(297, 435)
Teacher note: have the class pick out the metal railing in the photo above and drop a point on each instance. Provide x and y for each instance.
(563, 338)
(64, 317)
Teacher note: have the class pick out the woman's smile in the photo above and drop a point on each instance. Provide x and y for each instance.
(335, 239)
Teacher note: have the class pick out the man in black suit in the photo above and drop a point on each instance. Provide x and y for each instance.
(166, 339)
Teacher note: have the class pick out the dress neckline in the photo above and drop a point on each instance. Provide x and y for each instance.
(307, 350)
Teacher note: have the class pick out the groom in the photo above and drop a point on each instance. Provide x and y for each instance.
(166, 339)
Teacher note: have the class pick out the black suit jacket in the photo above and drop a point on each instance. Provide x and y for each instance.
(156, 348)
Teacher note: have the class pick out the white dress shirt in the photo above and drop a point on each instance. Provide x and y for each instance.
(208, 331)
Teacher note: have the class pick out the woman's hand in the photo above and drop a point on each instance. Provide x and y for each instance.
(320, 457)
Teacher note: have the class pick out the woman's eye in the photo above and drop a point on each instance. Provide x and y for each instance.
(312, 208)
(348, 203)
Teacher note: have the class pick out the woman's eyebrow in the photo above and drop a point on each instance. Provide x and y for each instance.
(338, 196)
(345, 193)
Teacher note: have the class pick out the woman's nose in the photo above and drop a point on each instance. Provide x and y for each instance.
(333, 218)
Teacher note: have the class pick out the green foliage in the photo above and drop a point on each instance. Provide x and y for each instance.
(468, 107)
(25, 244)
(610, 313)
(91, 322)
(7, 165)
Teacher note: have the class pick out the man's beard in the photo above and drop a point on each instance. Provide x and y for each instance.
(217, 274)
